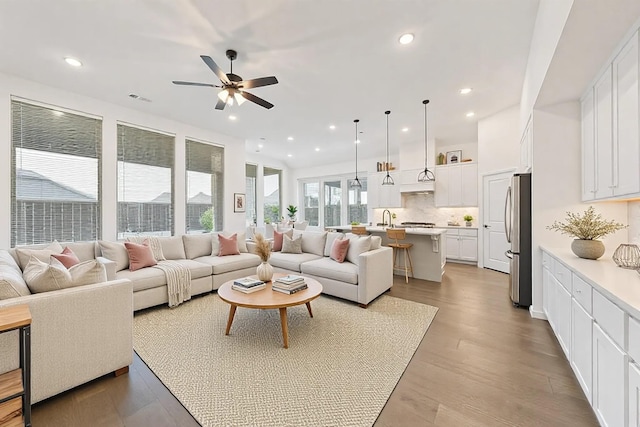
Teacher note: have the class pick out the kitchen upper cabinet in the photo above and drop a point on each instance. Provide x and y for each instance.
(626, 120)
(611, 129)
(383, 196)
(456, 185)
(609, 380)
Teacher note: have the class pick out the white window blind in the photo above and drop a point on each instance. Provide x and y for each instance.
(55, 175)
(311, 192)
(145, 182)
(205, 187)
(251, 174)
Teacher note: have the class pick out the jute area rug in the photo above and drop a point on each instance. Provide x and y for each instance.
(339, 370)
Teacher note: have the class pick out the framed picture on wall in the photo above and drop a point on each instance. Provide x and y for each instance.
(454, 156)
(239, 202)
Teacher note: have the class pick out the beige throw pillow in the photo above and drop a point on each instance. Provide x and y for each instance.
(291, 246)
(88, 273)
(43, 277)
(24, 255)
(116, 252)
(358, 245)
(12, 284)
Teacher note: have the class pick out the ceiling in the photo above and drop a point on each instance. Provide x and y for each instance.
(336, 60)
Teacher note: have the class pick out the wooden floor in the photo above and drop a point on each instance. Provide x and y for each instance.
(482, 363)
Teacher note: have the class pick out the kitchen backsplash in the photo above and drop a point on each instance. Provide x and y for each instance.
(634, 222)
(420, 207)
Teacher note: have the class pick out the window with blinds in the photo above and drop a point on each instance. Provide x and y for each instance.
(357, 203)
(145, 182)
(251, 174)
(272, 203)
(55, 175)
(205, 187)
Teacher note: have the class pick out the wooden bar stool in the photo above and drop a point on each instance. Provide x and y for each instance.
(359, 229)
(398, 234)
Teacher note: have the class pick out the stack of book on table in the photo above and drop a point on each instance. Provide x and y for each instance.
(289, 284)
(248, 285)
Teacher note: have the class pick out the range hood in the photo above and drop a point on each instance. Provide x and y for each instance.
(409, 182)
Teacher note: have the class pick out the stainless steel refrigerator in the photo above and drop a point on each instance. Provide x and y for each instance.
(517, 224)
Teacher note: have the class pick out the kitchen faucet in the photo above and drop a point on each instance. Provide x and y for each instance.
(389, 212)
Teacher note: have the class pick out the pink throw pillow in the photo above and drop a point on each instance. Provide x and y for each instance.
(140, 256)
(67, 258)
(228, 245)
(339, 249)
(277, 239)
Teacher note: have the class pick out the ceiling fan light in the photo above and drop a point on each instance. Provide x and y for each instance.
(223, 95)
(239, 98)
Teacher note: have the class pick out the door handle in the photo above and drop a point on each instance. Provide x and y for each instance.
(487, 226)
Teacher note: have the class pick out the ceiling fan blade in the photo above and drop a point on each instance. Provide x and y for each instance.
(262, 81)
(221, 104)
(214, 67)
(257, 100)
(180, 82)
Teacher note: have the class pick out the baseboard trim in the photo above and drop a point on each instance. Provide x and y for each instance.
(537, 314)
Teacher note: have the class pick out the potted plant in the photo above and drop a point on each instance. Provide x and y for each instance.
(292, 212)
(468, 218)
(586, 229)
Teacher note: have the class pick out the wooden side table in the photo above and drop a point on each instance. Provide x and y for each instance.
(15, 386)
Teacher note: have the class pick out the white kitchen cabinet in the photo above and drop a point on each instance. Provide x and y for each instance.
(547, 285)
(462, 245)
(562, 313)
(409, 181)
(456, 185)
(626, 120)
(581, 347)
(383, 196)
(609, 380)
(611, 129)
(634, 395)
(526, 148)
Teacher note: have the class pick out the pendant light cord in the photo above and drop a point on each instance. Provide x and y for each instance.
(387, 180)
(426, 175)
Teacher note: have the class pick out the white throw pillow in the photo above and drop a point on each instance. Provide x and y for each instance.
(87, 273)
(331, 236)
(314, 242)
(24, 255)
(358, 245)
(376, 242)
(116, 252)
(12, 284)
(44, 277)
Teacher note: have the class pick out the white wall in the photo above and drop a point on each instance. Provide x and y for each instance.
(550, 21)
(557, 186)
(111, 114)
(634, 222)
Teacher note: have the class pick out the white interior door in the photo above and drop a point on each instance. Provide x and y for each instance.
(494, 237)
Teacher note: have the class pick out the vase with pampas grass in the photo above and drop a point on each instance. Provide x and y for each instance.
(263, 250)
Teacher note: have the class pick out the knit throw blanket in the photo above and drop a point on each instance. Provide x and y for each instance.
(178, 276)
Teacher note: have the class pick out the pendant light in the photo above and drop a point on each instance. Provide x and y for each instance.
(387, 180)
(426, 175)
(356, 182)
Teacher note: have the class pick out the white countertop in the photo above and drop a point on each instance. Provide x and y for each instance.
(378, 229)
(620, 285)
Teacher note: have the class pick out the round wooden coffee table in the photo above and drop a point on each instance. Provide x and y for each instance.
(268, 298)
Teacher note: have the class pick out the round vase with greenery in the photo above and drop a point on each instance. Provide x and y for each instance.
(263, 250)
(587, 229)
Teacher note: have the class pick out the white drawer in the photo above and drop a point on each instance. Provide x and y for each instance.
(464, 232)
(582, 292)
(547, 261)
(610, 317)
(452, 231)
(563, 275)
(634, 339)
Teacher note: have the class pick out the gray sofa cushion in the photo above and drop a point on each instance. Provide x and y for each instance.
(313, 242)
(172, 247)
(145, 278)
(225, 264)
(326, 267)
(329, 243)
(115, 251)
(376, 243)
(357, 245)
(290, 261)
(43, 254)
(85, 251)
(197, 269)
(197, 245)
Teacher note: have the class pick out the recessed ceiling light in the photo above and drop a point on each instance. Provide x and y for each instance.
(405, 129)
(317, 149)
(290, 138)
(357, 141)
(465, 90)
(471, 114)
(406, 38)
(232, 117)
(332, 127)
(260, 145)
(289, 155)
(72, 61)
(58, 113)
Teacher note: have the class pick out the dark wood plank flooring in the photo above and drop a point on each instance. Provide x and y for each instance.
(482, 363)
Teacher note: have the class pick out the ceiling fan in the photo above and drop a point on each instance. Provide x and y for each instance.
(233, 87)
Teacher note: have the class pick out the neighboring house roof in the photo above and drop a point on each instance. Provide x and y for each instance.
(164, 197)
(273, 198)
(31, 185)
(200, 199)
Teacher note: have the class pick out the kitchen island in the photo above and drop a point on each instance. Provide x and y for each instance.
(429, 254)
